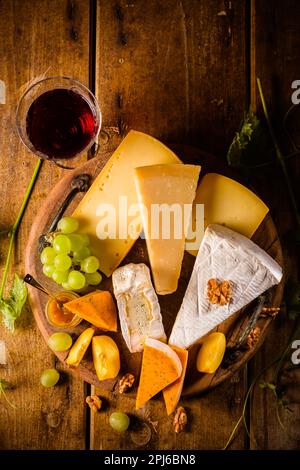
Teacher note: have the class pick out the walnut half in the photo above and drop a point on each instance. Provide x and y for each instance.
(219, 292)
(180, 420)
(253, 337)
(126, 382)
(94, 403)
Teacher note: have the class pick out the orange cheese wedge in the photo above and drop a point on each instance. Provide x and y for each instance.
(172, 392)
(98, 308)
(161, 366)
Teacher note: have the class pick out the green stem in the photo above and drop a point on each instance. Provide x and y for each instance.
(16, 225)
(279, 154)
(242, 417)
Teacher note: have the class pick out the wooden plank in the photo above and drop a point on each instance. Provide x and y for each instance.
(275, 55)
(48, 37)
(177, 70)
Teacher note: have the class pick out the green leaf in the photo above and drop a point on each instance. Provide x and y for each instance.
(251, 146)
(11, 308)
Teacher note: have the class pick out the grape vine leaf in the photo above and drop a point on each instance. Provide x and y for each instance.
(251, 146)
(11, 308)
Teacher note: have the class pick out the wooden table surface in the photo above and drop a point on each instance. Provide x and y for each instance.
(183, 71)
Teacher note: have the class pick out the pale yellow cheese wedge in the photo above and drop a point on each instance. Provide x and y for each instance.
(172, 392)
(227, 202)
(160, 367)
(105, 211)
(172, 188)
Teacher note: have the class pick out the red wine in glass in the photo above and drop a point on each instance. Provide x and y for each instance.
(60, 123)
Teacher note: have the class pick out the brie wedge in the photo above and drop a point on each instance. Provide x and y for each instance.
(138, 306)
(224, 255)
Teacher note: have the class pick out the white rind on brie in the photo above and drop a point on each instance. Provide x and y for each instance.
(138, 306)
(223, 255)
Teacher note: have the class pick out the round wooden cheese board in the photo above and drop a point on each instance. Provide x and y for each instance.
(266, 237)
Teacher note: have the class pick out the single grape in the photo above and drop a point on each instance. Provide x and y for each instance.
(68, 225)
(60, 276)
(76, 280)
(66, 285)
(49, 378)
(62, 244)
(62, 262)
(60, 342)
(85, 239)
(119, 421)
(48, 269)
(80, 255)
(90, 265)
(48, 254)
(76, 241)
(93, 279)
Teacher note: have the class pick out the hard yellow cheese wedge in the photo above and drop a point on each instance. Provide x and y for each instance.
(227, 202)
(161, 366)
(102, 202)
(172, 188)
(172, 392)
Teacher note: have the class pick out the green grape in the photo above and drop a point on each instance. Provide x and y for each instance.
(60, 276)
(93, 279)
(90, 265)
(119, 421)
(85, 239)
(66, 285)
(80, 255)
(48, 254)
(62, 244)
(49, 378)
(76, 280)
(60, 342)
(62, 262)
(68, 225)
(76, 241)
(48, 269)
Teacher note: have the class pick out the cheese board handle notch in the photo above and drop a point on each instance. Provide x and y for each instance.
(79, 184)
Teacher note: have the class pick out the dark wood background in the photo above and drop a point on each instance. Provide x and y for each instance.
(183, 71)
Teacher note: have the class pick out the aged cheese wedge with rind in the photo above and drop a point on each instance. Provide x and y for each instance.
(223, 255)
(97, 307)
(161, 366)
(172, 392)
(229, 203)
(114, 181)
(169, 186)
(138, 306)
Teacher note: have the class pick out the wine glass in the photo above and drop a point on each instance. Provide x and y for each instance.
(58, 118)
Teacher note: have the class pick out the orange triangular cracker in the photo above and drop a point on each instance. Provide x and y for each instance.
(98, 308)
(160, 367)
(173, 391)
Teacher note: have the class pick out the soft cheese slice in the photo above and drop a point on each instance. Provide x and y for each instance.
(160, 367)
(138, 306)
(98, 308)
(171, 187)
(172, 392)
(227, 202)
(113, 193)
(223, 255)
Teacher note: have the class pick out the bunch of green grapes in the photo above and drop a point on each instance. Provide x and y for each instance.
(69, 261)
